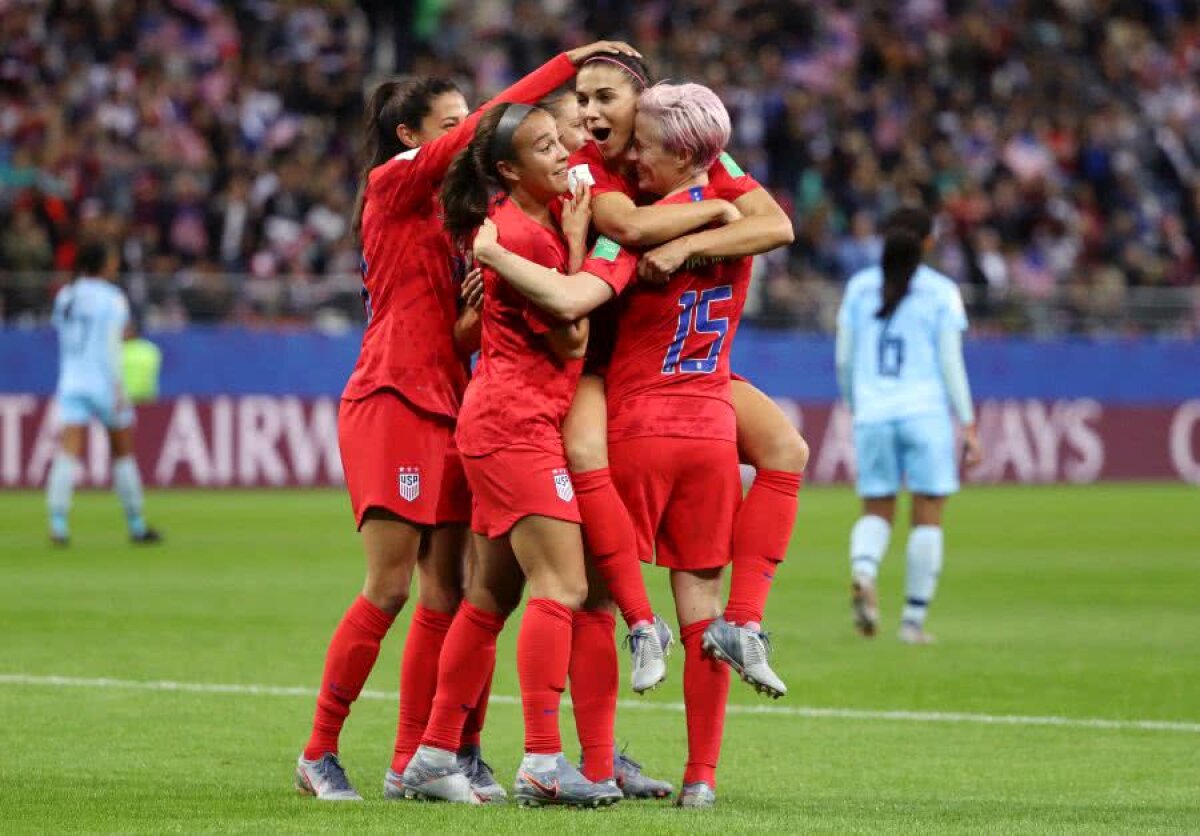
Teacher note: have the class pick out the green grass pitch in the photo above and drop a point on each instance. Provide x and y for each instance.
(1076, 603)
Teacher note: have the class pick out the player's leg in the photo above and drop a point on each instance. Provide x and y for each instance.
(464, 674)
(878, 481)
(594, 677)
(768, 441)
(127, 481)
(705, 683)
(64, 470)
(927, 444)
(550, 552)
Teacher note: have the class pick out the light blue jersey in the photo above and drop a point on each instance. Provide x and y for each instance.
(901, 376)
(90, 316)
(895, 364)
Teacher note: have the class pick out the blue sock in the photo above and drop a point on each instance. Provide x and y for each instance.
(60, 485)
(128, 484)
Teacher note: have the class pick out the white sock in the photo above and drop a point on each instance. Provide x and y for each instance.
(128, 484)
(60, 487)
(868, 543)
(539, 763)
(438, 757)
(924, 566)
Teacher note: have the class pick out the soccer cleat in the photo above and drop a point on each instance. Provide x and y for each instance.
(149, 537)
(746, 651)
(60, 541)
(564, 785)
(393, 785)
(483, 781)
(428, 780)
(324, 779)
(864, 603)
(697, 796)
(913, 633)
(649, 645)
(633, 783)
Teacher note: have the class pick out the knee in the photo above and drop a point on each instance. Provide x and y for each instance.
(388, 591)
(786, 452)
(586, 450)
(439, 596)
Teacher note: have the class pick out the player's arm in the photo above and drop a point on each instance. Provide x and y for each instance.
(630, 225)
(468, 332)
(763, 227)
(567, 297)
(843, 353)
(954, 375)
(569, 341)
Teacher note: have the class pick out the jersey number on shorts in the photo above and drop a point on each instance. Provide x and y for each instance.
(696, 318)
(75, 334)
(891, 355)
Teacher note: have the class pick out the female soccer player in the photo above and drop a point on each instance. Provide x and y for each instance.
(671, 425)
(525, 517)
(608, 92)
(396, 422)
(899, 365)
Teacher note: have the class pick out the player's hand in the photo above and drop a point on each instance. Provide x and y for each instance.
(583, 53)
(729, 212)
(487, 242)
(657, 265)
(472, 289)
(972, 449)
(577, 215)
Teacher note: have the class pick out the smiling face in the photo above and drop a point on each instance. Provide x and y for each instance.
(608, 101)
(659, 171)
(539, 164)
(446, 112)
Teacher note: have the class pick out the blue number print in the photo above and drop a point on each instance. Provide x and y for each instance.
(705, 323)
(891, 355)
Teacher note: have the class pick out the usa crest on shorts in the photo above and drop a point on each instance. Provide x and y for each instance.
(408, 481)
(562, 485)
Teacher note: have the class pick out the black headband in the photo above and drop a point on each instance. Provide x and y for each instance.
(502, 140)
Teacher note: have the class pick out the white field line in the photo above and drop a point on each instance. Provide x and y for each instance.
(959, 717)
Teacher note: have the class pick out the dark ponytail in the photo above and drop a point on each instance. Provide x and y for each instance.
(393, 103)
(901, 258)
(472, 178)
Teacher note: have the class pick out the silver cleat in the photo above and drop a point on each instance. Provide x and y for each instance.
(649, 645)
(697, 796)
(424, 778)
(482, 779)
(913, 633)
(747, 652)
(633, 783)
(324, 779)
(864, 603)
(564, 785)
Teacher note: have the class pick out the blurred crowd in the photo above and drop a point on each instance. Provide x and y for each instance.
(1058, 140)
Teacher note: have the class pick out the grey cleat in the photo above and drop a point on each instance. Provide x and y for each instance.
(864, 603)
(324, 779)
(482, 779)
(697, 796)
(427, 779)
(633, 783)
(393, 785)
(614, 791)
(913, 633)
(563, 785)
(649, 645)
(747, 652)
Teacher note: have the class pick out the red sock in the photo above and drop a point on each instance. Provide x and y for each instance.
(473, 728)
(348, 662)
(464, 668)
(594, 680)
(418, 680)
(612, 542)
(705, 692)
(543, 656)
(761, 535)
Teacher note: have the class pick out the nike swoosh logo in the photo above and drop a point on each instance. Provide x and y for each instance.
(551, 791)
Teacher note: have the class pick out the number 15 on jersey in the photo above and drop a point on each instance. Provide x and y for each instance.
(695, 317)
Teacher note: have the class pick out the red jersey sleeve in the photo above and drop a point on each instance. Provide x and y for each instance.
(589, 165)
(611, 263)
(728, 180)
(409, 178)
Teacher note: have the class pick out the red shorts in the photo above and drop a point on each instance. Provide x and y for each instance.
(683, 494)
(511, 484)
(401, 459)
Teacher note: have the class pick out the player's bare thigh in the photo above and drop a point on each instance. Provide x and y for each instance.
(550, 552)
(880, 506)
(70, 439)
(392, 545)
(766, 438)
(442, 566)
(121, 442)
(495, 582)
(585, 430)
(927, 509)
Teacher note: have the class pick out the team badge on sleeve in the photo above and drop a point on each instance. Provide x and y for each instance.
(562, 485)
(408, 480)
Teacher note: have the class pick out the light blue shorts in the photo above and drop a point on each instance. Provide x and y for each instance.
(78, 409)
(916, 452)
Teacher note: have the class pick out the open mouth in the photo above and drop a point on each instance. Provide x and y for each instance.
(601, 134)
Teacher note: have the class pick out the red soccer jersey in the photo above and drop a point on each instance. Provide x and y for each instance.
(407, 265)
(669, 373)
(726, 179)
(521, 391)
